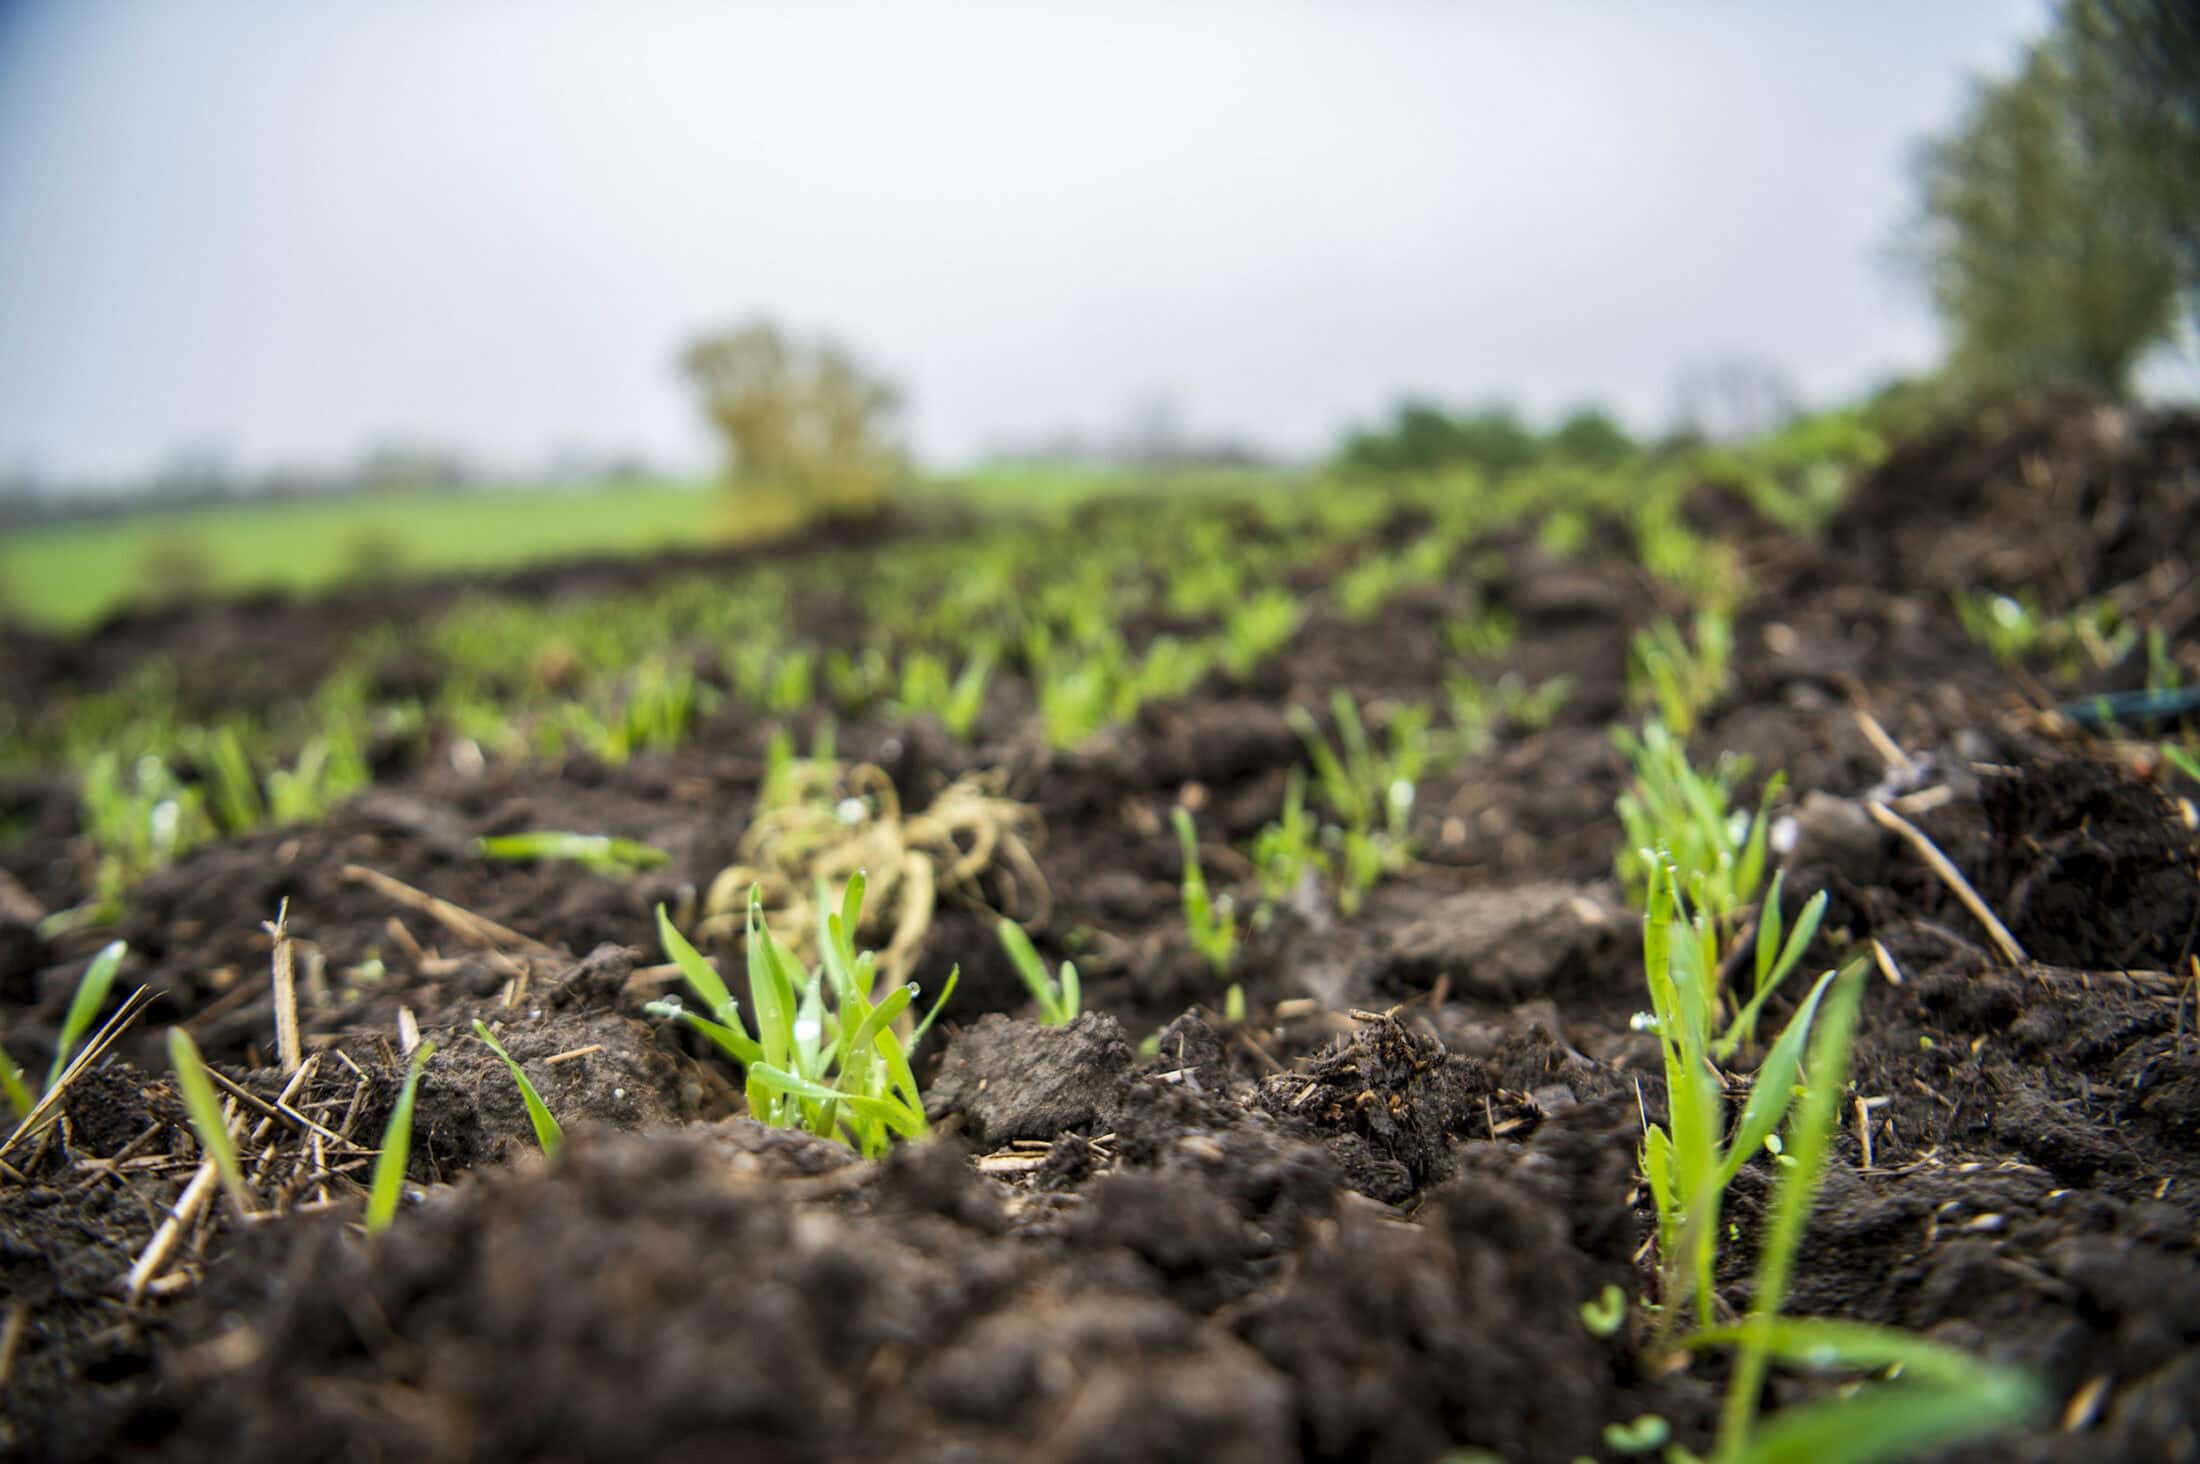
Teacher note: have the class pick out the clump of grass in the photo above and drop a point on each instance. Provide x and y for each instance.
(1941, 1396)
(387, 1184)
(1681, 680)
(1212, 923)
(1684, 814)
(548, 1134)
(1287, 853)
(1370, 791)
(957, 702)
(602, 853)
(1690, 1160)
(825, 1057)
(1257, 627)
(1059, 998)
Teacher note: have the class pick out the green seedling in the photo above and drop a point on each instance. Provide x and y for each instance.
(207, 1118)
(1366, 789)
(1371, 793)
(387, 1184)
(236, 786)
(1942, 1395)
(825, 1057)
(1775, 960)
(1059, 999)
(2008, 626)
(1487, 634)
(1691, 1160)
(957, 703)
(1233, 1005)
(1259, 627)
(602, 853)
(1605, 1313)
(1286, 853)
(1673, 808)
(1647, 1434)
(547, 1132)
(85, 1006)
(1211, 923)
(1678, 679)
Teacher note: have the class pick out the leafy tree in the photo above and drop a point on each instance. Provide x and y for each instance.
(1589, 436)
(2061, 220)
(802, 421)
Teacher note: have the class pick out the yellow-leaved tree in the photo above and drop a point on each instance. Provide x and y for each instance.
(807, 428)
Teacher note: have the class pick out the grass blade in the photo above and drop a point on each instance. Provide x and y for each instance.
(1054, 1011)
(735, 1043)
(947, 989)
(84, 1007)
(13, 1088)
(547, 1133)
(388, 1183)
(700, 973)
(769, 988)
(903, 1120)
(1895, 1420)
(205, 1109)
(1810, 1139)
(1773, 1088)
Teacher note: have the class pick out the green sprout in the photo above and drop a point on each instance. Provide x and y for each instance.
(925, 687)
(1370, 792)
(601, 853)
(1059, 1000)
(1647, 1433)
(825, 1057)
(1287, 852)
(1673, 808)
(85, 1006)
(1212, 923)
(2010, 627)
(1941, 1394)
(1605, 1313)
(387, 1184)
(1257, 627)
(548, 1134)
(207, 1118)
(1680, 680)
(1691, 1159)
(235, 786)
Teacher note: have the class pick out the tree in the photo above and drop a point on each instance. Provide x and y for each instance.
(801, 421)
(1592, 438)
(2061, 220)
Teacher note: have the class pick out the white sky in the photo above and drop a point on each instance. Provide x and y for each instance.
(292, 229)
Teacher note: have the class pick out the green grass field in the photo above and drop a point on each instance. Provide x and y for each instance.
(69, 576)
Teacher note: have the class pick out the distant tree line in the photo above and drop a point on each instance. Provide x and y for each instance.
(1494, 439)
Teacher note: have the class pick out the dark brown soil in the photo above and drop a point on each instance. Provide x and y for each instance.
(1358, 1226)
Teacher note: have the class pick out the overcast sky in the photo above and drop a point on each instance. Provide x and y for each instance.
(290, 230)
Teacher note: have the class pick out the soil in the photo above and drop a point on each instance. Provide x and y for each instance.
(1358, 1225)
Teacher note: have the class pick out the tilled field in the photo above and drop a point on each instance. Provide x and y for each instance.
(1351, 1213)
